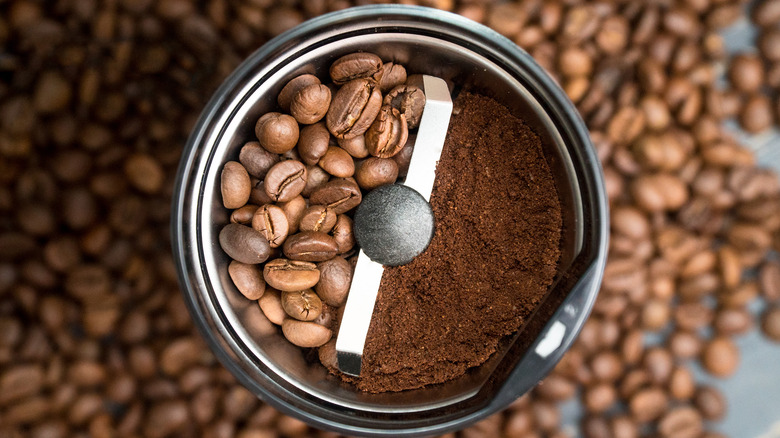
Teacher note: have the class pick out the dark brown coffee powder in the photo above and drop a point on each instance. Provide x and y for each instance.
(492, 258)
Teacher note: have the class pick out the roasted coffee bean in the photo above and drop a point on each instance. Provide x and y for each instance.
(257, 195)
(681, 422)
(746, 73)
(599, 398)
(342, 233)
(290, 275)
(335, 281)
(316, 177)
(659, 364)
(310, 104)
(303, 305)
(244, 214)
(293, 209)
(305, 334)
(313, 143)
(271, 305)
(318, 218)
(732, 321)
(235, 185)
(770, 323)
(310, 246)
(276, 132)
(648, 404)
(256, 159)
(248, 279)
(756, 115)
(296, 84)
(710, 402)
(355, 146)
(271, 221)
(387, 135)
(392, 75)
(374, 172)
(769, 44)
(404, 157)
(409, 100)
(341, 195)
(285, 180)
(244, 244)
(682, 383)
(684, 344)
(337, 162)
(354, 108)
(356, 66)
(720, 357)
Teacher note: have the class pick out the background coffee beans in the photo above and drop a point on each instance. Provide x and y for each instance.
(94, 84)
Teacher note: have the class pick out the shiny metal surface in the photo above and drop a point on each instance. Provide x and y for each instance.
(425, 41)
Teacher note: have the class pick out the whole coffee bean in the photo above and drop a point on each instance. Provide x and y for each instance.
(276, 132)
(248, 279)
(355, 146)
(355, 66)
(599, 397)
(271, 305)
(732, 321)
(770, 323)
(316, 177)
(337, 162)
(290, 275)
(305, 334)
(335, 281)
(310, 246)
(648, 404)
(285, 180)
(720, 357)
(244, 244)
(303, 305)
(293, 209)
(684, 344)
(387, 135)
(659, 364)
(392, 75)
(769, 44)
(374, 172)
(271, 221)
(342, 233)
(746, 72)
(257, 195)
(682, 383)
(409, 100)
(313, 143)
(354, 108)
(756, 115)
(623, 427)
(244, 214)
(681, 422)
(327, 354)
(606, 366)
(710, 402)
(256, 159)
(310, 104)
(404, 157)
(235, 185)
(296, 84)
(341, 195)
(318, 218)
(692, 316)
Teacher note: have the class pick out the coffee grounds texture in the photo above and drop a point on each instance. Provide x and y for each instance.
(493, 256)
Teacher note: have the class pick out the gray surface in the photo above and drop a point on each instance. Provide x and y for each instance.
(753, 392)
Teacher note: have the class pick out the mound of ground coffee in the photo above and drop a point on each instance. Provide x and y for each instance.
(492, 258)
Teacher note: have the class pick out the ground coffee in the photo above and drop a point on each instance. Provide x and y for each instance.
(492, 258)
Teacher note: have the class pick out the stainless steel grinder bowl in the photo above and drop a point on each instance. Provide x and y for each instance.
(425, 41)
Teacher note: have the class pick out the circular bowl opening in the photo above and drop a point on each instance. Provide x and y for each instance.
(429, 42)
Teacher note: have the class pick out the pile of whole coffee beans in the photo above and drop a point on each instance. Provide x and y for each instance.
(293, 188)
(97, 99)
